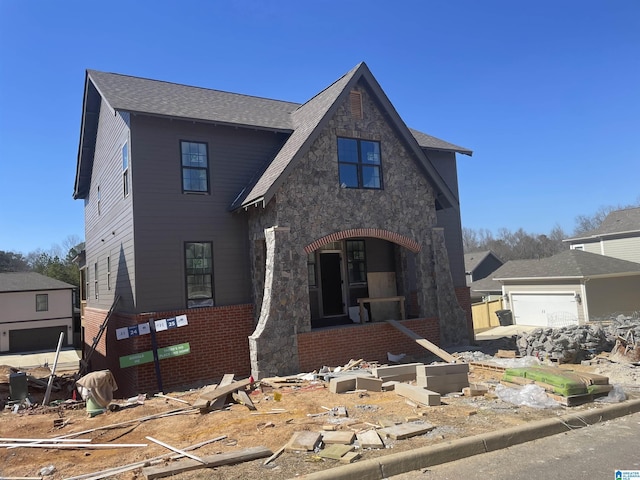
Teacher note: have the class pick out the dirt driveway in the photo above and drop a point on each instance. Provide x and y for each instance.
(302, 407)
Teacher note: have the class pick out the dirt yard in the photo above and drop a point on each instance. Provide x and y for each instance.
(302, 406)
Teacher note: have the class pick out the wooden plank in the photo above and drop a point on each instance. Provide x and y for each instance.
(350, 457)
(276, 454)
(218, 404)
(174, 449)
(339, 437)
(407, 430)
(423, 342)
(243, 399)
(218, 460)
(202, 401)
(222, 392)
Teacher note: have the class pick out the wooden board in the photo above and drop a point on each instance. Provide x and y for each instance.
(423, 342)
(222, 392)
(383, 284)
(218, 404)
(406, 430)
(218, 460)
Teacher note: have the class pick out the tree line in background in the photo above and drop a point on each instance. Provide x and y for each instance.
(521, 245)
(55, 263)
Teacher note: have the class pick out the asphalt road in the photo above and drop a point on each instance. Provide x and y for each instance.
(593, 452)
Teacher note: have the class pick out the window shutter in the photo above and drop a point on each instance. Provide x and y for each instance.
(355, 98)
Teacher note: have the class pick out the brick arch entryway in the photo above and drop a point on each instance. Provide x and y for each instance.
(350, 265)
(401, 240)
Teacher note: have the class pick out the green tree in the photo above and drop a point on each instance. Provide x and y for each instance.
(13, 262)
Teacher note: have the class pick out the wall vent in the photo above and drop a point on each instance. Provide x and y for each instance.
(355, 98)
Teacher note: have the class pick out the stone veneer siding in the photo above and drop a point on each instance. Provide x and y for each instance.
(311, 206)
(217, 337)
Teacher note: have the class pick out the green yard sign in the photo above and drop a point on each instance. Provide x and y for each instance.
(147, 357)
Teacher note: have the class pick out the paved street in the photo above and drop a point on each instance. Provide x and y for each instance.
(595, 452)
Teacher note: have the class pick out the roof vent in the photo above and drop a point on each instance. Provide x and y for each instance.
(355, 99)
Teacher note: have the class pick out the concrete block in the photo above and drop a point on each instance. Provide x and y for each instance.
(391, 370)
(442, 369)
(342, 384)
(418, 394)
(390, 385)
(369, 383)
(444, 383)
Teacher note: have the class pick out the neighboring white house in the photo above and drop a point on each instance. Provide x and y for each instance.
(618, 236)
(34, 309)
(572, 287)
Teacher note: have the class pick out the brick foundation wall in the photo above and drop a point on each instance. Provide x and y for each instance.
(371, 341)
(217, 337)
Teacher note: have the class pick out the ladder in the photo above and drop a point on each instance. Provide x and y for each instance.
(84, 363)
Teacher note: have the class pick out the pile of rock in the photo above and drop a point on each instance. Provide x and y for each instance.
(575, 343)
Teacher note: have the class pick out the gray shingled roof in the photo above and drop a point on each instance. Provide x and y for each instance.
(485, 285)
(152, 97)
(427, 141)
(567, 264)
(133, 94)
(619, 221)
(28, 281)
(472, 260)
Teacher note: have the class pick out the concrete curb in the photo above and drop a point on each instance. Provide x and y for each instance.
(403, 462)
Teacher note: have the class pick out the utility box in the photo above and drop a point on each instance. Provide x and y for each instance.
(18, 386)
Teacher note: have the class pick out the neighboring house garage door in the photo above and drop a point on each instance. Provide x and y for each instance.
(545, 310)
(32, 339)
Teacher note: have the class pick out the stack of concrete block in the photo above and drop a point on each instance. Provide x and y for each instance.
(443, 378)
(397, 373)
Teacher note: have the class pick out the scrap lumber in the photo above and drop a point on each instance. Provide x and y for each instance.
(73, 445)
(202, 401)
(217, 460)
(423, 342)
(47, 394)
(174, 449)
(160, 395)
(275, 455)
(218, 404)
(211, 396)
(369, 439)
(243, 399)
(338, 437)
(144, 463)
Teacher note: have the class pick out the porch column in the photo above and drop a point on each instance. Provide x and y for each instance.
(273, 345)
(453, 320)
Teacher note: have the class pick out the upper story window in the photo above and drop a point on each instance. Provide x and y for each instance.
(99, 199)
(125, 169)
(195, 167)
(108, 273)
(95, 280)
(359, 163)
(42, 302)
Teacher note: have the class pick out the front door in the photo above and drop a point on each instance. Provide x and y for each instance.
(331, 284)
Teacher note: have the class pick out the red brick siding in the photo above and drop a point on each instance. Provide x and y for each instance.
(371, 341)
(217, 337)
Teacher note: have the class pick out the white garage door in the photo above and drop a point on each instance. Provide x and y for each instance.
(545, 310)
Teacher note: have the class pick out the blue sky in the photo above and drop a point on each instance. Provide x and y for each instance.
(546, 93)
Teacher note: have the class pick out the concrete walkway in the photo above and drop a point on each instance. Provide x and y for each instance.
(69, 359)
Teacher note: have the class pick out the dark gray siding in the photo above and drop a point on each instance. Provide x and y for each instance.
(449, 218)
(166, 218)
(109, 232)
